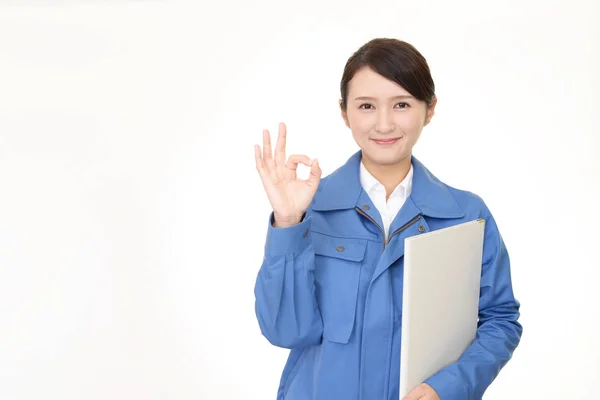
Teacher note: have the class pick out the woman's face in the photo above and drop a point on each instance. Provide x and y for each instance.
(385, 120)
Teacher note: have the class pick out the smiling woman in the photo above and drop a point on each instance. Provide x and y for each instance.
(330, 286)
(388, 96)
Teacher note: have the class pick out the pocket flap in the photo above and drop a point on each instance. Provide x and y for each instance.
(345, 249)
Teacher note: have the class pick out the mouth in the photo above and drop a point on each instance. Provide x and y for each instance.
(386, 142)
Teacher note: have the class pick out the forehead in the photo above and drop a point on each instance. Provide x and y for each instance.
(369, 83)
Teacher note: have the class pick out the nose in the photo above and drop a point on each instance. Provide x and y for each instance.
(385, 122)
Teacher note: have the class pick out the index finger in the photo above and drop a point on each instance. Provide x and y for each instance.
(280, 146)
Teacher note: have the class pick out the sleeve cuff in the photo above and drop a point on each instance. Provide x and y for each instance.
(290, 240)
(447, 386)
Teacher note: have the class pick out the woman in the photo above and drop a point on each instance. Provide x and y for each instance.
(330, 286)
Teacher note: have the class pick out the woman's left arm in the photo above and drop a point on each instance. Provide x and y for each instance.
(498, 332)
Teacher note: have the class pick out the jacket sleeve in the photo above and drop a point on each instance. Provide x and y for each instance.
(286, 305)
(498, 332)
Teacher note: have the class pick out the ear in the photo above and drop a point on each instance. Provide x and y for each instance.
(344, 114)
(430, 111)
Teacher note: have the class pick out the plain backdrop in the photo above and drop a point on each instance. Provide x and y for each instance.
(132, 220)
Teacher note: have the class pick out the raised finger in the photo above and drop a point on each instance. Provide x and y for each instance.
(267, 151)
(260, 166)
(280, 146)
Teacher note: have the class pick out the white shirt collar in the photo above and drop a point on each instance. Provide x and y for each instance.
(388, 209)
(370, 183)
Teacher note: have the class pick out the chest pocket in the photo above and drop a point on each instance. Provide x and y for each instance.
(338, 263)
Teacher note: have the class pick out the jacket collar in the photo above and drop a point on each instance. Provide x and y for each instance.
(341, 190)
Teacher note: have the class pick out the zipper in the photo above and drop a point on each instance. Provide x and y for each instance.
(361, 212)
(386, 242)
(409, 223)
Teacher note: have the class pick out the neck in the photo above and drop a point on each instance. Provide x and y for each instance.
(389, 175)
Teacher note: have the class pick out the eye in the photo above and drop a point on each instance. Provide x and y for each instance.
(366, 106)
(402, 105)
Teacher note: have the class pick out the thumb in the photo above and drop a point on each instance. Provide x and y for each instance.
(315, 173)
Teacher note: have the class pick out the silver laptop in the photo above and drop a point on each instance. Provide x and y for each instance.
(442, 275)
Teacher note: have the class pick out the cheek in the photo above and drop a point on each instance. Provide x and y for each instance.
(360, 124)
(412, 123)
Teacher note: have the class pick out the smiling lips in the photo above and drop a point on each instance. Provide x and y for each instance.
(386, 141)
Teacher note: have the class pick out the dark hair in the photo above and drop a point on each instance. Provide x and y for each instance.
(395, 60)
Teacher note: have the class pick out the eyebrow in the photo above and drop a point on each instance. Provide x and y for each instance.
(393, 98)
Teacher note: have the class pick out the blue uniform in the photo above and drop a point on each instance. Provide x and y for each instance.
(330, 289)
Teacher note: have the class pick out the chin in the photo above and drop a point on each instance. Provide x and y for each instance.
(381, 159)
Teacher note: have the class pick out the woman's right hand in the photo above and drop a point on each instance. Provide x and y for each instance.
(288, 195)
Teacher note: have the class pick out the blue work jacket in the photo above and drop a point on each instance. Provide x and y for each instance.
(330, 289)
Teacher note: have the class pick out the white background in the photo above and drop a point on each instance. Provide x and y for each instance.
(132, 219)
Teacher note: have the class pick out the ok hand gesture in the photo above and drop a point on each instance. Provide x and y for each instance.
(288, 195)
